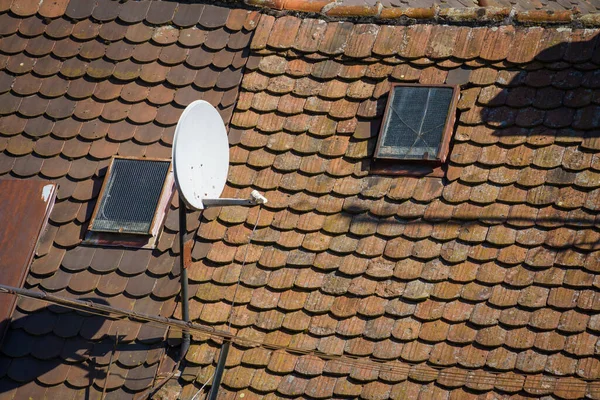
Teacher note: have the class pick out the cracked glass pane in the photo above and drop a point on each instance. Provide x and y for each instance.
(415, 122)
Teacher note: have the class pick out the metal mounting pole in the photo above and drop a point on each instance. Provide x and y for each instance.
(214, 389)
(185, 310)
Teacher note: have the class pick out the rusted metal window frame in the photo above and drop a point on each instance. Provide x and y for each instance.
(133, 239)
(416, 167)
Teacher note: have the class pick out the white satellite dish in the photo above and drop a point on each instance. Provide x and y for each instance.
(200, 154)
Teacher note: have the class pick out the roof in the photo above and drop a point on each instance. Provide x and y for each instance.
(80, 82)
(484, 283)
(493, 269)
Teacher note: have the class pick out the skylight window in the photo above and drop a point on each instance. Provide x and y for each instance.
(417, 123)
(130, 196)
(132, 202)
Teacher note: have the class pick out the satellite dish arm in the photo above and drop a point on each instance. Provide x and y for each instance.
(255, 199)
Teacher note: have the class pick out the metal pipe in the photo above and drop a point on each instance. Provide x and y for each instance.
(216, 383)
(185, 310)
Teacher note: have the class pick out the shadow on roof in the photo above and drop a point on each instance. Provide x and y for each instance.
(556, 100)
(55, 345)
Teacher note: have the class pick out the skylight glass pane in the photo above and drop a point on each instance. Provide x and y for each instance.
(415, 122)
(131, 196)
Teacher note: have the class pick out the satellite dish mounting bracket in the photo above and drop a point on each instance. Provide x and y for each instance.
(254, 200)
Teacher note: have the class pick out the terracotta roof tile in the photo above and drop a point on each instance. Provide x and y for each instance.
(40, 127)
(9, 25)
(27, 166)
(188, 14)
(361, 40)
(512, 254)
(160, 13)
(335, 37)
(51, 88)
(263, 32)
(284, 32)
(387, 39)
(236, 19)
(216, 40)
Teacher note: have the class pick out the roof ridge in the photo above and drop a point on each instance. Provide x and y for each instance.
(468, 15)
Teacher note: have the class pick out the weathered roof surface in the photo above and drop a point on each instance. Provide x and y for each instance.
(579, 12)
(82, 81)
(481, 284)
(490, 276)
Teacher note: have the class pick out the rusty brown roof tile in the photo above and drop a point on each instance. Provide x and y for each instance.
(79, 9)
(49, 263)
(74, 148)
(160, 13)
(6, 83)
(580, 344)
(250, 23)
(214, 16)
(59, 28)
(82, 168)
(84, 281)
(314, 165)
(236, 19)
(38, 127)
(55, 167)
(106, 11)
(27, 166)
(9, 25)
(32, 26)
(569, 197)
(85, 30)
(19, 146)
(53, 9)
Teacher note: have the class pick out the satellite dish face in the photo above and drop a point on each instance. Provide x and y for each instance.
(200, 154)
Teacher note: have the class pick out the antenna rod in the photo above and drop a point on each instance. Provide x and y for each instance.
(185, 310)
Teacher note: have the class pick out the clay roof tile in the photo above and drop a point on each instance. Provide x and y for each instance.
(361, 40)
(93, 50)
(236, 19)
(284, 32)
(217, 40)
(79, 9)
(9, 25)
(32, 26)
(263, 32)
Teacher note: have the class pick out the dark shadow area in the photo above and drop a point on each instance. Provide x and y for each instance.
(556, 100)
(56, 345)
